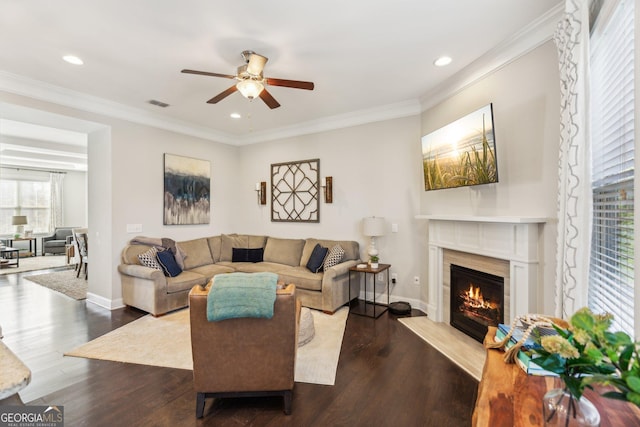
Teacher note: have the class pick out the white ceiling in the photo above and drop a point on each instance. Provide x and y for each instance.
(362, 56)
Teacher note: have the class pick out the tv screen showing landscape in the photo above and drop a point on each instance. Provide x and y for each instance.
(461, 153)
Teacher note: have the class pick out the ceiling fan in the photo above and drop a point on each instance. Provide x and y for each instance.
(251, 81)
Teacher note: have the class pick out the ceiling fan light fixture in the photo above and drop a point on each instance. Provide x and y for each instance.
(250, 88)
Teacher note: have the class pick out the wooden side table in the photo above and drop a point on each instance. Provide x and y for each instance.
(33, 243)
(507, 396)
(369, 308)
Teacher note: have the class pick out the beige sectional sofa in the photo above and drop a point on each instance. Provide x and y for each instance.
(150, 290)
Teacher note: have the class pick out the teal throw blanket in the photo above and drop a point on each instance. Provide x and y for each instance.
(235, 295)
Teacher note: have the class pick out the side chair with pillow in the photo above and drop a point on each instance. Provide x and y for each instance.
(244, 356)
(83, 250)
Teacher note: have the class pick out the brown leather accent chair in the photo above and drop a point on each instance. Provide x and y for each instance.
(247, 356)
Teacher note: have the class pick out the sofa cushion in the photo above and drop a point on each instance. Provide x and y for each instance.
(283, 251)
(168, 263)
(215, 245)
(55, 243)
(351, 249)
(247, 255)
(185, 281)
(197, 253)
(230, 241)
(211, 270)
(334, 257)
(301, 277)
(148, 259)
(257, 267)
(316, 260)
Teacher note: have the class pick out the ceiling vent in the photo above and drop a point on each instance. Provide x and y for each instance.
(158, 103)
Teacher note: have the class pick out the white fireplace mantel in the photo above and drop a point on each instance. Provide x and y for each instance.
(514, 239)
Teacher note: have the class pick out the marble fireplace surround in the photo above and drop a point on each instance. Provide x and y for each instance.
(504, 246)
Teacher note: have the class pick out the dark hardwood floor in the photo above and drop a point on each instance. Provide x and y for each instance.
(387, 376)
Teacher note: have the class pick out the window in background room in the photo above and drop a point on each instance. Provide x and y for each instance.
(29, 198)
(611, 275)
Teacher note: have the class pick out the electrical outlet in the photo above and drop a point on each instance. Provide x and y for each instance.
(380, 277)
(416, 280)
(394, 277)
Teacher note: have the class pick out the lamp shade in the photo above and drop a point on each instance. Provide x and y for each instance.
(373, 226)
(18, 220)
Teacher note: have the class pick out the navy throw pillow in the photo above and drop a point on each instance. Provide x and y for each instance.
(255, 255)
(168, 263)
(247, 255)
(317, 258)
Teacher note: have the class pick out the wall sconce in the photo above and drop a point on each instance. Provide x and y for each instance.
(327, 184)
(261, 190)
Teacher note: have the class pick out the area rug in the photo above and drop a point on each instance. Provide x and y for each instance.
(64, 282)
(460, 348)
(36, 263)
(166, 341)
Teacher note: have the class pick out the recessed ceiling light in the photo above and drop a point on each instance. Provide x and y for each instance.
(235, 115)
(72, 59)
(442, 61)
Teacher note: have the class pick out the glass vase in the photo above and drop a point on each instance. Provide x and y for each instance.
(561, 408)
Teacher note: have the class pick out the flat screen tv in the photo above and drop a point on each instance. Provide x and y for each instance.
(462, 153)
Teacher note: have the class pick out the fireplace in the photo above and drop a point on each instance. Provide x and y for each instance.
(477, 301)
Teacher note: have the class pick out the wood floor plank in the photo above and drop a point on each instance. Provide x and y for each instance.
(386, 375)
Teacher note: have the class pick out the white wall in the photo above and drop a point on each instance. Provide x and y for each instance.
(376, 172)
(74, 199)
(526, 105)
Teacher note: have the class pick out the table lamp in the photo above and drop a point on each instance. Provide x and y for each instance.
(19, 221)
(373, 227)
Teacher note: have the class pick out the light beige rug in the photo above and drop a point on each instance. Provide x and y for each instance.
(460, 348)
(165, 341)
(36, 263)
(64, 282)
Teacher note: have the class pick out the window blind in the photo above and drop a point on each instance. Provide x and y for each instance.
(611, 275)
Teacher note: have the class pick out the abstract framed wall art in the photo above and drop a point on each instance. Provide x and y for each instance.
(463, 153)
(187, 190)
(295, 191)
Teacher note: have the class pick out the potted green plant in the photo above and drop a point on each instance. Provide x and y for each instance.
(585, 354)
(373, 261)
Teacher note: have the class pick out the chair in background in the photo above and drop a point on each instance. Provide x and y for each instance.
(74, 243)
(56, 242)
(244, 356)
(83, 251)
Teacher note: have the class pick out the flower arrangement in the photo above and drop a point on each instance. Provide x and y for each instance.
(588, 353)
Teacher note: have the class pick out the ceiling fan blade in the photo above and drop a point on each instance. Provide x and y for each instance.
(256, 64)
(296, 84)
(268, 99)
(206, 73)
(222, 95)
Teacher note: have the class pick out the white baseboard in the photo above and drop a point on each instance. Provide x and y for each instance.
(104, 302)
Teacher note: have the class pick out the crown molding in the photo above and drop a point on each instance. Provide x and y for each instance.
(43, 91)
(354, 118)
(527, 39)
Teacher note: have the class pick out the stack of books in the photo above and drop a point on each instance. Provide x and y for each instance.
(524, 358)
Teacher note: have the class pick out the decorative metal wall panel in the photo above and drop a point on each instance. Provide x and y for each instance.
(295, 191)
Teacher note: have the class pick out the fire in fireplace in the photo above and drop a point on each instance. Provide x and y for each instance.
(477, 301)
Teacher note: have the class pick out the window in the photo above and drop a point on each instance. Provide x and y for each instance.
(29, 198)
(611, 275)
